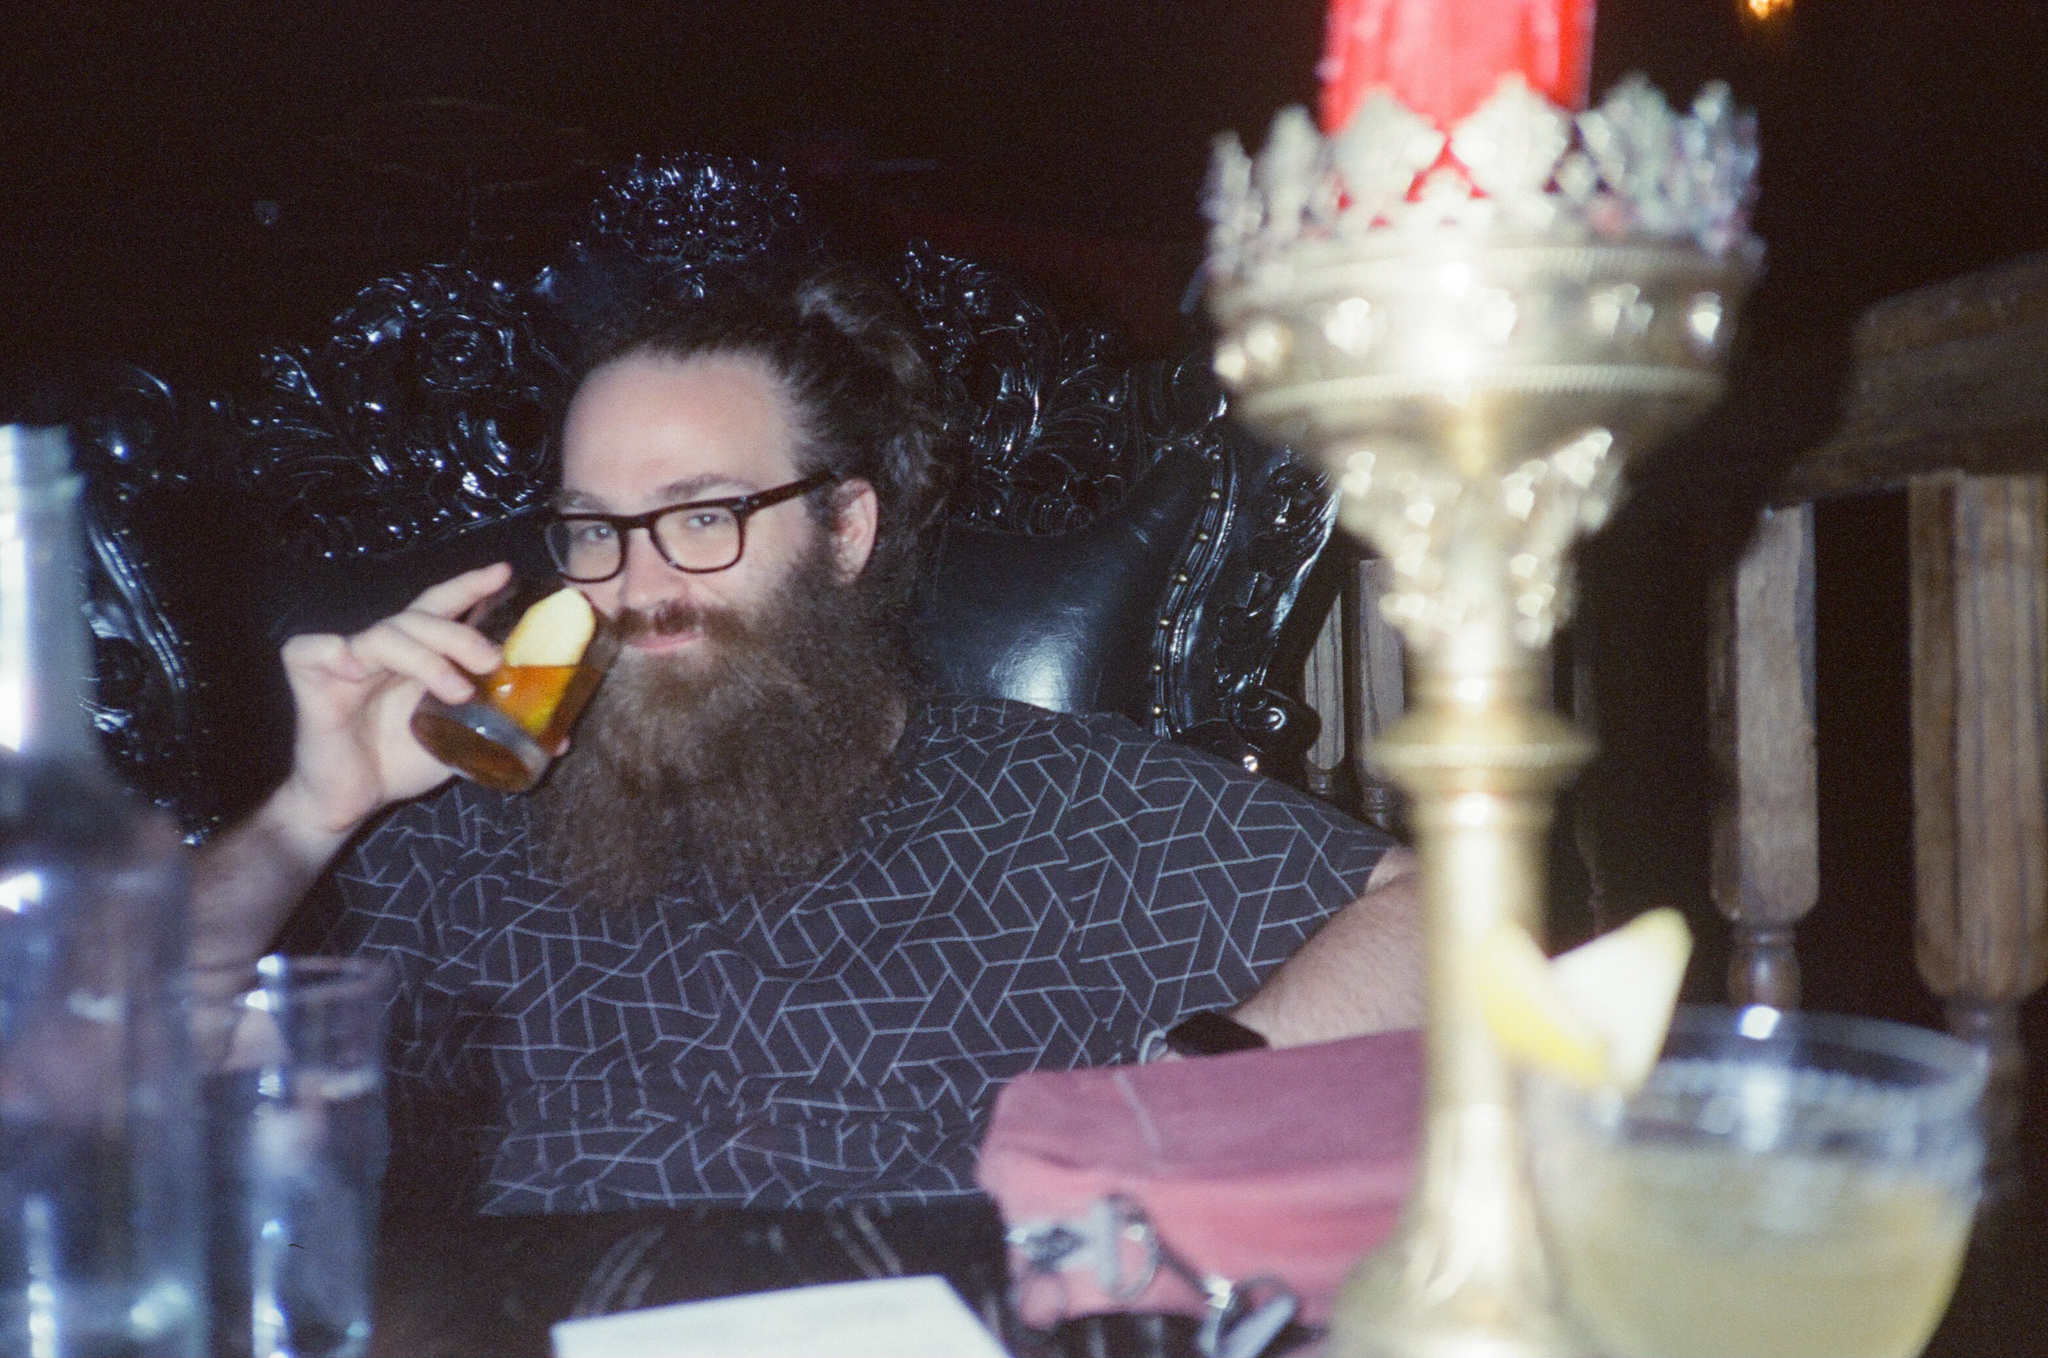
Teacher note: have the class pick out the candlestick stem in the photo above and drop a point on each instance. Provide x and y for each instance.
(1467, 1272)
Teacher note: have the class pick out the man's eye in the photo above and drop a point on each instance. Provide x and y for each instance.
(704, 521)
(591, 533)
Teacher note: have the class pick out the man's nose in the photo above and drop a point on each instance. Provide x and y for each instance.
(647, 578)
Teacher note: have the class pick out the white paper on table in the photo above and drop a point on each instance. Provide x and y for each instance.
(883, 1318)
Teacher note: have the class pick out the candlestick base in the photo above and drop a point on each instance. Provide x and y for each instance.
(1467, 1273)
(1389, 1312)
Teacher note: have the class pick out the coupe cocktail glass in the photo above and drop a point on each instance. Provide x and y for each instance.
(1785, 1184)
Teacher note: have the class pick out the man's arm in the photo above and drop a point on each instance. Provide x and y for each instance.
(247, 881)
(352, 755)
(1362, 972)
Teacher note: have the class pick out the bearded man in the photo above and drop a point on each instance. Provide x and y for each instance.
(781, 922)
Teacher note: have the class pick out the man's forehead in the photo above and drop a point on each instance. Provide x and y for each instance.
(708, 485)
(652, 429)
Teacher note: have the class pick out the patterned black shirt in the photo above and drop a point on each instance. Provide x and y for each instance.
(1040, 891)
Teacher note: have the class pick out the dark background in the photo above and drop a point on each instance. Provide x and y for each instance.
(180, 182)
(1903, 137)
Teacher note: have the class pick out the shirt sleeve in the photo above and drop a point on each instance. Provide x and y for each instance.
(1205, 877)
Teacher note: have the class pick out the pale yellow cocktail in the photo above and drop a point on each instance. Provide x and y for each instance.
(1804, 1191)
(1681, 1252)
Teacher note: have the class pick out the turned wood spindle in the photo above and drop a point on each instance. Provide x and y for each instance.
(1323, 688)
(1980, 805)
(1766, 832)
(1377, 693)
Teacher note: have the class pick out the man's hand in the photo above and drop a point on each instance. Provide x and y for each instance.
(1362, 972)
(354, 753)
(354, 750)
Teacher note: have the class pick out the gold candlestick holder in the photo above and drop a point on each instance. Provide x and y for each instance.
(1472, 331)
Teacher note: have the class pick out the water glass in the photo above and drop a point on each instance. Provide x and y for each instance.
(1785, 1184)
(296, 1145)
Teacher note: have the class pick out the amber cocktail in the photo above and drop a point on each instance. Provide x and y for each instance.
(555, 652)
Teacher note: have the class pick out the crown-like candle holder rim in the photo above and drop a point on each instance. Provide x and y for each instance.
(1630, 170)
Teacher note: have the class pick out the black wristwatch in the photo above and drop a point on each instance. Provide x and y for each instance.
(1211, 1033)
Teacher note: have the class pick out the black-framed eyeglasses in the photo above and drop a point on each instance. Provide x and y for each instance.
(697, 536)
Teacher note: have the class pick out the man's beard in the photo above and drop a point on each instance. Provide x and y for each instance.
(753, 754)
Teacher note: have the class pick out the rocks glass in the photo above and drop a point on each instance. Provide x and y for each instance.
(556, 649)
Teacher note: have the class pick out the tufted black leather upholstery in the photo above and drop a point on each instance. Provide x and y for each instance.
(1112, 542)
(1058, 620)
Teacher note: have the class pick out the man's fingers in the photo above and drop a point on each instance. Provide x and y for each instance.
(321, 651)
(451, 598)
(1396, 863)
(387, 646)
(464, 645)
(424, 643)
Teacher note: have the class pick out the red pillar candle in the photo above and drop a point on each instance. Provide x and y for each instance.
(1443, 57)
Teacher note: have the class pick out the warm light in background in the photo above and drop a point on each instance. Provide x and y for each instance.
(1767, 9)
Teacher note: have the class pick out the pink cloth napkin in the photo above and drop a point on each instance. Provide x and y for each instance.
(1286, 1163)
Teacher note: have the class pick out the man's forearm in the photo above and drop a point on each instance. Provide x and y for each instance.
(1362, 972)
(247, 882)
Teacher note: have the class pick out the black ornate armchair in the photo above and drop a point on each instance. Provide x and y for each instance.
(1112, 542)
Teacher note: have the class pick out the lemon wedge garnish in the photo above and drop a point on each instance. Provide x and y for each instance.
(552, 632)
(1626, 984)
(1528, 1012)
(1596, 1015)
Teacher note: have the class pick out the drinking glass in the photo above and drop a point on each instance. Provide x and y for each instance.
(506, 735)
(296, 1145)
(1785, 1184)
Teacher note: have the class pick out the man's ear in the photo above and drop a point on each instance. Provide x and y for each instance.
(856, 513)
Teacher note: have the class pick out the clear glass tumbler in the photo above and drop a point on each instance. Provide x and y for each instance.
(1785, 1184)
(296, 1145)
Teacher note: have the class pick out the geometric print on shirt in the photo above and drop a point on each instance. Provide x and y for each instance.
(1038, 892)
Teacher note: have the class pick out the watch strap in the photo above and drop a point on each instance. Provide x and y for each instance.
(1211, 1033)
